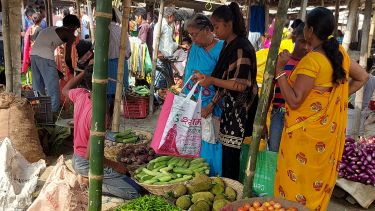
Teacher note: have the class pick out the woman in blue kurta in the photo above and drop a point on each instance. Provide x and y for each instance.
(203, 56)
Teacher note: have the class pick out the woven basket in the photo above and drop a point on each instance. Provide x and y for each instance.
(286, 204)
(161, 190)
(237, 186)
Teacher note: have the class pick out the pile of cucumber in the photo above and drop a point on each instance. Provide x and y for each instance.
(126, 137)
(142, 90)
(168, 170)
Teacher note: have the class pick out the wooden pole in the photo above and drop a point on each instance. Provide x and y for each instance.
(248, 13)
(78, 5)
(353, 9)
(322, 3)
(262, 109)
(99, 102)
(89, 13)
(155, 57)
(266, 15)
(121, 63)
(363, 62)
(337, 15)
(15, 47)
(48, 8)
(302, 14)
(6, 43)
(371, 37)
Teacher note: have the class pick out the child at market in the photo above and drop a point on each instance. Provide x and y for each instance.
(115, 182)
(278, 102)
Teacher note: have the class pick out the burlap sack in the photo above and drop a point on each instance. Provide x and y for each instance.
(17, 123)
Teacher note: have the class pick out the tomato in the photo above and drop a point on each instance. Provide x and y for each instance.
(270, 208)
(277, 205)
(282, 209)
(247, 206)
(272, 203)
(292, 209)
(241, 209)
(260, 209)
(266, 204)
(252, 209)
(256, 204)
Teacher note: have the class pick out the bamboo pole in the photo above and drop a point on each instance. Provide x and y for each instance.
(248, 12)
(262, 109)
(322, 3)
(371, 37)
(266, 15)
(121, 63)
(15, 47)
(302, 14)
(89, 13)
(78, 5)
(48, 8)
(99, 102)
(337, 15)
(363, 62)
(155, 57)
(6, 43)
(353, 9)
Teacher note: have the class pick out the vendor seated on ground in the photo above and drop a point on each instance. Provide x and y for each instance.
(115, 182)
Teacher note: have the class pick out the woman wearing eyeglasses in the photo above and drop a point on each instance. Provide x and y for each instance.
(234, 77)
(203, 56)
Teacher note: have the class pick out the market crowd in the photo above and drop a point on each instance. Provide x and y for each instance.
(312, 84)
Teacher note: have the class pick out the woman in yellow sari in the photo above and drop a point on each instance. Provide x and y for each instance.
(317, 97)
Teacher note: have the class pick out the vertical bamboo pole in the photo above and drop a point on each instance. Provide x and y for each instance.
(15, 47)
(89, 13)
(6, 43)
(302, 14)
(48, 8)
(262, 109)
(248, 12)
(322, 3)
(353, 9)
(371, 37)
(155, 57)
(337, 15)
(78, 5)
(99, 102)
(266, 15)
(121, 63)
(363, 62)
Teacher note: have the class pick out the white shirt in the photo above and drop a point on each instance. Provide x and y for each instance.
(114, 42)
(85, 29)
(166, 46)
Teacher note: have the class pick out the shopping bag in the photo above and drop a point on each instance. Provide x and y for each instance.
(178, 130)
(148, 62)
(61, 192)
(18, 178)
(264, 172)
(208, 130)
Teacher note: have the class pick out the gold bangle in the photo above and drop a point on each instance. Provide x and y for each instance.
(280, 75)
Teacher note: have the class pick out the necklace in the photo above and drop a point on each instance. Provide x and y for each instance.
(317, 47)
(209, 45)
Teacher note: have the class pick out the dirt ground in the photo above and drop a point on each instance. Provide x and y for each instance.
(337, 203)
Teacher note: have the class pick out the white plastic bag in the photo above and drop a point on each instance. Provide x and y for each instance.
(208, 130)
(18, 178)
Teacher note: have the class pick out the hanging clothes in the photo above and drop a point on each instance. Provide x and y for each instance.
(257, 19)
(140, 64)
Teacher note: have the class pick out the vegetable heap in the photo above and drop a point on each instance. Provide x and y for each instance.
(147, 203)
(137, 155)
(204, 194)
(126, 137)
(358, 161)
(265, 206)
(169, 169)
(142, 90)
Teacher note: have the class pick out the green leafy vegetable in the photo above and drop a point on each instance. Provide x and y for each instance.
(148, 203)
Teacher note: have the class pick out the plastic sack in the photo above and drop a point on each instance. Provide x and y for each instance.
(18, 178)
(61, 192)
(178, 130)
(264, 173)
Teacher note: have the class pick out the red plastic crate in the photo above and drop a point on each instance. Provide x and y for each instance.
(136, 107)
(372, 105)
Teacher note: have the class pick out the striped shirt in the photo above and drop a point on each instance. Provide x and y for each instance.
(278, 99)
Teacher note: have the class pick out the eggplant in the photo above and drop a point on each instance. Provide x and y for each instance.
(355, 167)
(369, 158)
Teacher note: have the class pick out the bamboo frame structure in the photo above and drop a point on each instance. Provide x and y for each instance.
(121, 64)
(99, 102)
(89, 13)
(262, 108)
(302, 14)
(155, 57)
(78, 5)
(15, 45)
(6, 43)
(337, 15)
(363, 62)
(353, 9)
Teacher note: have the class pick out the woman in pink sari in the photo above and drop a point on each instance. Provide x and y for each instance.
(267, 43)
